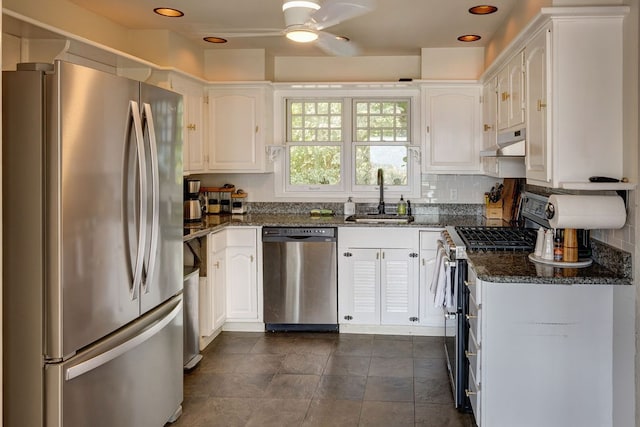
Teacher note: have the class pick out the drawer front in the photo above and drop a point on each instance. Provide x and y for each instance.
(474, 318)
(473, 355)
(474, 394)
(473, 285)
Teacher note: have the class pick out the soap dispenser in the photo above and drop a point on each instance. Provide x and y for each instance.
(402, 206)
(349, 207)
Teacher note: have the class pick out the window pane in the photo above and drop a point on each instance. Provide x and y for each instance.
(310, 116)
(392, 160)
(314, 165)
(378, 121)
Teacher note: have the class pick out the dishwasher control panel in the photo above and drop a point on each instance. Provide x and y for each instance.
(298, 232)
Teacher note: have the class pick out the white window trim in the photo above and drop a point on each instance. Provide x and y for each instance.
(281, 163)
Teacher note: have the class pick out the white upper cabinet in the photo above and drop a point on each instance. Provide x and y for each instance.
(452, 128)
(239, 128)
(194, 147)
(538, 155)
(574, 103)
(510, 88)
(489, 114)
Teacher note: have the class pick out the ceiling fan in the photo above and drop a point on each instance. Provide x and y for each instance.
(305, 21)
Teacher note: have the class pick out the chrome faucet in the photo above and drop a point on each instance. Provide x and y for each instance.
(381, 184)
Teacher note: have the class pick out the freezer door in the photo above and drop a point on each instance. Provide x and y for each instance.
(89, 280)
(132, 378)
(161, 115)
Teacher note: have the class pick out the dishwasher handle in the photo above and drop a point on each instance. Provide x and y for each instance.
(293, 239)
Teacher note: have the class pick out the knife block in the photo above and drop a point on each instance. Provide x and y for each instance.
(493, 210)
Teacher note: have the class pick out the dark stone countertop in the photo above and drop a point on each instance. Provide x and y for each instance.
(499, 267)
(213, 222)
(515, 267)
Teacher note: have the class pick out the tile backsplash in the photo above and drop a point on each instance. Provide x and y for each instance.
(456, 188)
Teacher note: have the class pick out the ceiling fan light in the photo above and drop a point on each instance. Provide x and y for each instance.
(300, 3)
(302, 36)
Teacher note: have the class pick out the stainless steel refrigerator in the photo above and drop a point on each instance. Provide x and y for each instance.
(92, 249)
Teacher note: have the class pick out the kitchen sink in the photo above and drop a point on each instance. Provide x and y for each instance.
(375, 218)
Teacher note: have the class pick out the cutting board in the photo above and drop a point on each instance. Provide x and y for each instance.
(510, 192)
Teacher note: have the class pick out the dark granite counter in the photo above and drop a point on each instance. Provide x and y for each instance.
(213, 222)
(501, 267)
(515, 267)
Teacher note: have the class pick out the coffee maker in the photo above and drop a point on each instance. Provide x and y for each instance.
(192, 205)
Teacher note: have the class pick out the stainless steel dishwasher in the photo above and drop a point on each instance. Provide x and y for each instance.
(300, 278)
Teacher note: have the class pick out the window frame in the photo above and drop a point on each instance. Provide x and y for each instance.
(347, 94)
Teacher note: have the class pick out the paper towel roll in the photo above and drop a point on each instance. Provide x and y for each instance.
(588, 212)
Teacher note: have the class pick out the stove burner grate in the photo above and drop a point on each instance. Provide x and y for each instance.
(498, 238)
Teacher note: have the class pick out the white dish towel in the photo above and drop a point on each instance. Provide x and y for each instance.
(441, 281)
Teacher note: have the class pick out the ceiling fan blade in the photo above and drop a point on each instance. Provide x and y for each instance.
(335, 45)
(333, 12)
(229, 34)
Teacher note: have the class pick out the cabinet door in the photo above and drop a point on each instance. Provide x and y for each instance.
(211, 297)
(218, 289)
(489, 114)
(503, 98)
(360, 287)
(237, 130)
(516, 91)
(398, 286)
(538, 158)
(452, 125)
(430, 315)
(241, 275)
(194, 147)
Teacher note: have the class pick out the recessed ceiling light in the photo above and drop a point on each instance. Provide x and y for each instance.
(342, 38)
(167, 11)
(300, 3)
(469, 38)
(483, 9)
(212, 39)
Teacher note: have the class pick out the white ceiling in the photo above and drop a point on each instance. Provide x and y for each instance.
(394, 27)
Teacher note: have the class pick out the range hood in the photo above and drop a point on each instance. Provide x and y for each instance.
(510, 144)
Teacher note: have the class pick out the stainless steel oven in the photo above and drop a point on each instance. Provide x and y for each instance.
(455, 338)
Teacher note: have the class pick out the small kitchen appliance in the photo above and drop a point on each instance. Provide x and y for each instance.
(192, 205)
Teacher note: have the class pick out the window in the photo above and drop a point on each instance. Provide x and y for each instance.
(315, 136)
(335, 144)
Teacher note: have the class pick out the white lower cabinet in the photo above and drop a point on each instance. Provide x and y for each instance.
(430, 315)
(550, 355)
(377, 285)
(231, 291)
(242, 275)
(212, 300)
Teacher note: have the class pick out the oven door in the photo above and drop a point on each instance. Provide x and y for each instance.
(456, 336)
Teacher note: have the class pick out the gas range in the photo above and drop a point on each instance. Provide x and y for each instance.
(485, 238)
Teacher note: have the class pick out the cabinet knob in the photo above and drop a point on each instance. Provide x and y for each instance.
(191, 126)
(251, 258)
(413, 319)
(505, 96)
(217, 264)
(348, 317)
(487, 127)
(541, 105)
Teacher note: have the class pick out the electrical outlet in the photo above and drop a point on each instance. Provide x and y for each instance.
(453, 194)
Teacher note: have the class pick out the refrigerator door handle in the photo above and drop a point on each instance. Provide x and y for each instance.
(135, 119)
(109, 355)
(148, 125)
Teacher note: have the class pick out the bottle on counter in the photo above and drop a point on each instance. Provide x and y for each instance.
(547, 250)
(349, 207)
(539, 242)
(402, 206)
(557, 247)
